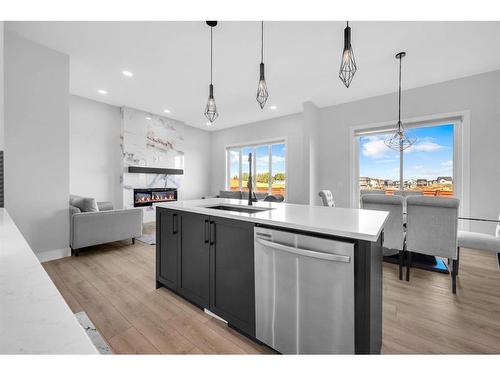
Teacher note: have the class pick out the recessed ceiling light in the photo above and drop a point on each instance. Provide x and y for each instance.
(102, 92)
(273, 107)
(148, 118)
(166, 110)
(127, 73)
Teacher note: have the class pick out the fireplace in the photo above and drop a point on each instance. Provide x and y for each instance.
(148, 196)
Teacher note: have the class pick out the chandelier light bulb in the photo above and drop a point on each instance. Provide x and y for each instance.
(211, 108)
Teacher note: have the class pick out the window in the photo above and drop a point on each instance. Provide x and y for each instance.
(427, 166)
(268, 172)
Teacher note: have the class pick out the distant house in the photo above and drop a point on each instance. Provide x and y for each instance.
(376, 182)
(445, 180)
(364, 182)
(421, 182)
(388, 183)
(410, 183)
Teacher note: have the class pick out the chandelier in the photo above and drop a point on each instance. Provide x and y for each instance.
(399, 140)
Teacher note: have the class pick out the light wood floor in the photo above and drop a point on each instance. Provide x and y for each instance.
(115, 285)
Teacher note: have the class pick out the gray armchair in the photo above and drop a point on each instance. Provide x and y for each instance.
(94, 223)
(432, 229)
(394, 234)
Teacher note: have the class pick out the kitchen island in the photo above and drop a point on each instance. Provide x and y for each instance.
(299, 278)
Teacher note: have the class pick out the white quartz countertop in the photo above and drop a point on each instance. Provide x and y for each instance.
(343, 222)
(34, 318)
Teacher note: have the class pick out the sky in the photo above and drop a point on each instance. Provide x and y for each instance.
(262, 159)
(430, 157)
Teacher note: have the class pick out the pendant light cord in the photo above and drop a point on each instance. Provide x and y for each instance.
(262, 41)
(399, 97)
(211, 53)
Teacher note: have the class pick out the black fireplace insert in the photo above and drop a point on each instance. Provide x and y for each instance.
(148, 196)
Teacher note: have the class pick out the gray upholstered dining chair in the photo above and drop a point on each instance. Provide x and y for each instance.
(394, 234)
(327, 198)
(405, 194)
(481, 241)
(408, 193)
(432, 229)
(371, 191)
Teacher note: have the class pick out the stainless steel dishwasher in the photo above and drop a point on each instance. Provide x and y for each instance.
(304, 293)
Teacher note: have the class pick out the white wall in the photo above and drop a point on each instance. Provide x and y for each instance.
(311, 147)
(95, 155)
(37, 142)
(1, 86)
(289, 127)
(196, 181)
(479, 94)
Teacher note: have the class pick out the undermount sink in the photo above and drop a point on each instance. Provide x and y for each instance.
(249, 209)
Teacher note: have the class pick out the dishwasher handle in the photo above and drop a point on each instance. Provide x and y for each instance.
(305, 252)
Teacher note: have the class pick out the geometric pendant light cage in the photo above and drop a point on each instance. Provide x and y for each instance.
(399, 139)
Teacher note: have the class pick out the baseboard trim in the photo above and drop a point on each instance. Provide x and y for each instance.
(45, 256)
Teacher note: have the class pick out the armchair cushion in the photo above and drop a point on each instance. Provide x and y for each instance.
(105, 206)
(74, 210)
(83, 203)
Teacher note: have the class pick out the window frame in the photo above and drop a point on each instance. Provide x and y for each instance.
(461, 152)
(254, 145)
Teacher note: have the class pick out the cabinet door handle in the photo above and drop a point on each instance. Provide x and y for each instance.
(205, 236)
(174, 224)
(212, 233)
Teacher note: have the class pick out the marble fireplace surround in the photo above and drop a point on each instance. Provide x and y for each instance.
(150, 141)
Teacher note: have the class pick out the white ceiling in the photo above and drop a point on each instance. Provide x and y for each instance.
(170, 62)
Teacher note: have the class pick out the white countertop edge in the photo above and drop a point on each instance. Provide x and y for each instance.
(34, 318)
(201, 208)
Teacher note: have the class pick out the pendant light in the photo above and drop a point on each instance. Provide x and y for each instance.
(348, 63)
(262, 93)
(399, 140)
(211, 108)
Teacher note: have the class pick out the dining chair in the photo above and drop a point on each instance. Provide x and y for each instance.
(405, 194)
(481, 241)
(432, 229)
(394, 234)
(408, 193)
(327, 198)
(371, 191)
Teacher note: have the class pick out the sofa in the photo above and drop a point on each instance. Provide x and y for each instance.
(94, 223)
(238, 194)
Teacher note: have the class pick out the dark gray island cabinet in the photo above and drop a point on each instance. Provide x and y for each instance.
(209, 260)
